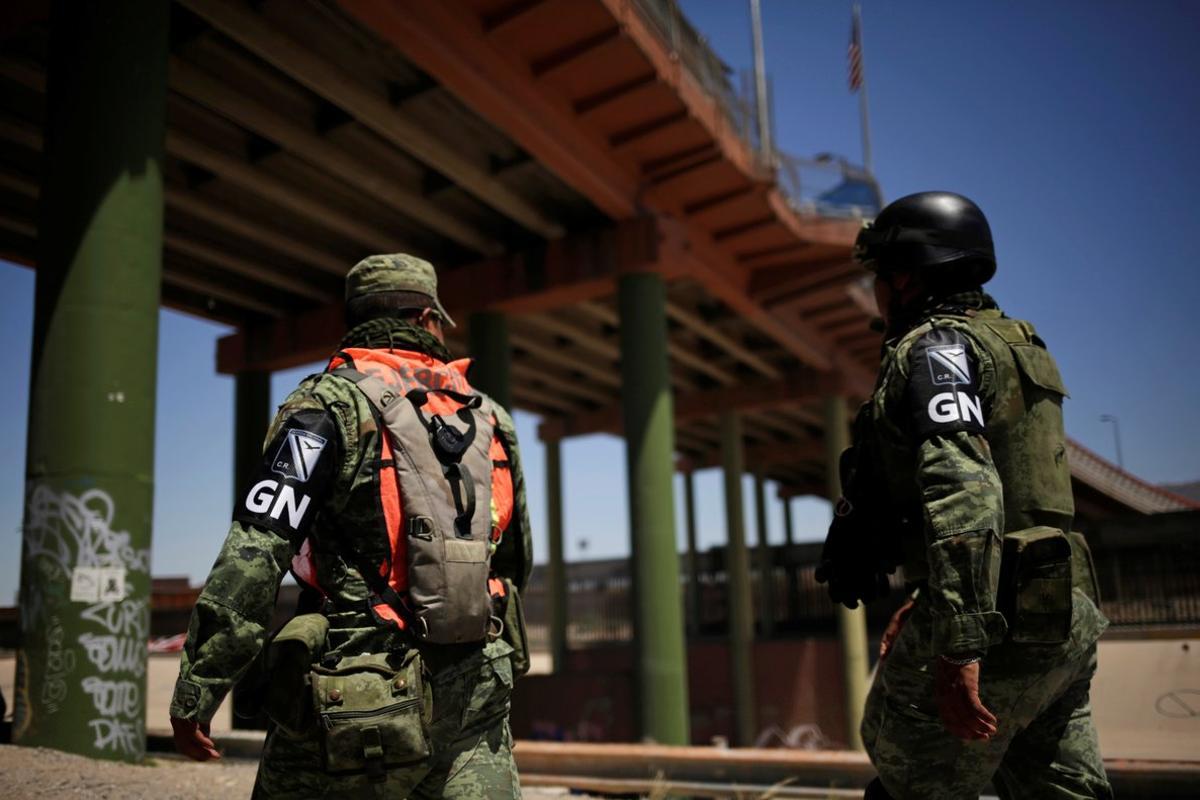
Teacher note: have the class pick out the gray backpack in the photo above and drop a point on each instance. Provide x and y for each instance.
(444, 472)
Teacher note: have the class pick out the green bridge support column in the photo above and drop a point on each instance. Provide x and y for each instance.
(737, 572)
(692, 604)
(492, 371)
(251, 419)
(852, 625)
(85, 567)
(766, 570)
(557, 566)
(650, 443)
(793, 576)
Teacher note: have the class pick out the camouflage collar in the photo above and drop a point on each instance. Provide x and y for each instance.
(395, 334)
(959, 303)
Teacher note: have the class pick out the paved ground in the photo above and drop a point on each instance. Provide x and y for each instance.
(34, 772)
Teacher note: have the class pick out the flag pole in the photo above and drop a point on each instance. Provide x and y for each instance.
(760, 83)
(862, 94)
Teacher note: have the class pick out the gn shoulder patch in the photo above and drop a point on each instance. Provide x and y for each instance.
(296, 473)
(943, 385)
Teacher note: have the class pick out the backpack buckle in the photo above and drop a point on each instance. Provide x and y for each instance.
(420, 528)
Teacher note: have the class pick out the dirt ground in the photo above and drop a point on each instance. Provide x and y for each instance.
(35, 772)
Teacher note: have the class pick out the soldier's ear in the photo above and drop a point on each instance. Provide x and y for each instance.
(431, 321)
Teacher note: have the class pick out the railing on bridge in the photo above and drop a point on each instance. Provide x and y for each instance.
(828, 186)
(825, 185)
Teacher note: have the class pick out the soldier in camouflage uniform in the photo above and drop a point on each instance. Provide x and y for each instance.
(332, 526)
(959, 474)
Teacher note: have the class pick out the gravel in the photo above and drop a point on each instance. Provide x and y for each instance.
(39, 772)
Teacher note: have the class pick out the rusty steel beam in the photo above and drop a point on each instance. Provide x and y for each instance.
(748, 396)
(698, 764)
(335, 84)
(570, 270)
(446, 40)
(294, 137)
(777, 773)
(794, 453)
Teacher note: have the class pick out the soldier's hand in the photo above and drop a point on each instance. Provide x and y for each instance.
(956, 691)
(894, 626)
(192, 739)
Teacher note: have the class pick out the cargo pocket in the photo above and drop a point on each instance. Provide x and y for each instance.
(289, 659)
(491, 694)
(1036, 586)
(372, 713)
(513, 616)
(1083, 568)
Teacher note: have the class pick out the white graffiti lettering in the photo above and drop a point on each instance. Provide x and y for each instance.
(59, 662)
(113, 698)
(115, 653)
(72, 544)
(59, 523)
(127, 618)
(119, 736)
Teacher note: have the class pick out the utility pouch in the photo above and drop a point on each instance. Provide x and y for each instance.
(289, 658)
(371, 710)
(1083, 568)
(510, 610)
(1035, 586)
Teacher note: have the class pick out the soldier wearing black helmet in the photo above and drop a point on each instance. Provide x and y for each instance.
(959, 474)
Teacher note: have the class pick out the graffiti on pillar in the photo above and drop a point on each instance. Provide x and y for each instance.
(119, 727)
(59, 662)
(72, 540)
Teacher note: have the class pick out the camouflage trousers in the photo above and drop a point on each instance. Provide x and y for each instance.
(469, 736)
(1045, 746)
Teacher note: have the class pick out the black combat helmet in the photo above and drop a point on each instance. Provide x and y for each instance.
(940, 233)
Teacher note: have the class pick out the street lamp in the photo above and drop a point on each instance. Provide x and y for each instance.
(1116, 436)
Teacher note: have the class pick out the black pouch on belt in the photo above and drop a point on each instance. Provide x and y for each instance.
(1035, 586)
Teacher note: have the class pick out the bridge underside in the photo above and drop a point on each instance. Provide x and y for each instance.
(534, 151)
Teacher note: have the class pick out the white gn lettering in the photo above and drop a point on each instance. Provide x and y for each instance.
(955, 407)
(263, 496)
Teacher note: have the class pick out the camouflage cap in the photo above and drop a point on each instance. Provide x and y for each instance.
(395, 272)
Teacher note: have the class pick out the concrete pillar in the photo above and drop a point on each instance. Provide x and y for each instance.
(85, 568)
(556, 569)
(766, 588)
(852, 625)
(793, 576)
(650, 444)
(251, 419)
(491, 373)
(692, 605)
(737, 572)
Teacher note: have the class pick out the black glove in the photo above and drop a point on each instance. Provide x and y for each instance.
(852, 560)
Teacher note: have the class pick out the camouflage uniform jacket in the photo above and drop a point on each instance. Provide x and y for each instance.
(966, 418)
(229, 623)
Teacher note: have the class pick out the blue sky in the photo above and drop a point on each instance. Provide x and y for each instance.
(1071, 123)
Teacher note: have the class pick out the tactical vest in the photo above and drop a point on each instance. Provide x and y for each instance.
(1024, 430)
(445, 493)
(1025, 425)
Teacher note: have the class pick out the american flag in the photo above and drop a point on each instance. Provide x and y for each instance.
(854, 54)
